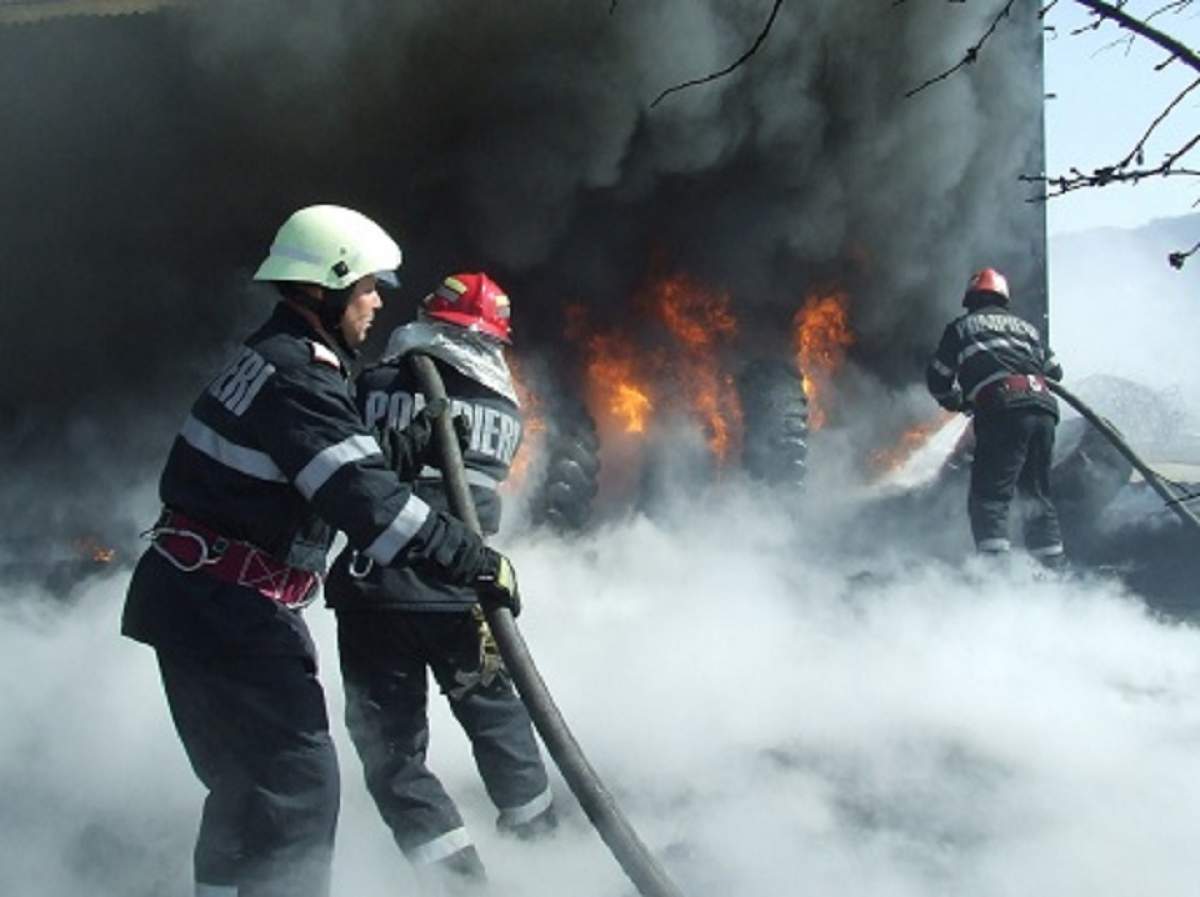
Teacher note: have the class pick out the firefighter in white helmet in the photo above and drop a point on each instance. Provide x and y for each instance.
(271, 460)
(993, 363)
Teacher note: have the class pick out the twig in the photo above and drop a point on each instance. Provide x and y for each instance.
(969, 57)
(1176, 5)
(1113, 12)
(1138, 150)
(729, 68)
(1176, 260)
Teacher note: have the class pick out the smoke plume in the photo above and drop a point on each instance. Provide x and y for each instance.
(147, 161)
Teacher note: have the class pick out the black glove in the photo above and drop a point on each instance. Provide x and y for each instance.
(955, 402)
(497, 582)
(462, 431)
(452, 548)
(410, 449)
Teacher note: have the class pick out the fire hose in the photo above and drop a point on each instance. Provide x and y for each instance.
(1174, 502)
(601, 809)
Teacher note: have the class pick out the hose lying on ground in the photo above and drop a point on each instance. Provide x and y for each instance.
(641, 867)
(1156, 482)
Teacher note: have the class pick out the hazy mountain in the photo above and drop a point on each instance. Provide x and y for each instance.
(1125, 324)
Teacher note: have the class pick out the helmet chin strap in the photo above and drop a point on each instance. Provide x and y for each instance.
(329, 309)
(333, 308)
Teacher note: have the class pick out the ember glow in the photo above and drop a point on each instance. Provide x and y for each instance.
(91, 548)
(822, 334)
(885, 460)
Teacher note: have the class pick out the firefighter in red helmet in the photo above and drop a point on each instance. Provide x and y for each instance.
(992, 363)
(394, 625)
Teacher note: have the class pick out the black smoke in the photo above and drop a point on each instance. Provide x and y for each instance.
(147, 160)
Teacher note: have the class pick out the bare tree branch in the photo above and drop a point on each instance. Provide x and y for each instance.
(1114, 13)
(729, 68)
(1112, 174)
(1138, 150)
(1120, 172)
(1076, 180)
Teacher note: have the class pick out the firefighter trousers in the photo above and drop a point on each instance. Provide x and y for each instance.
(1013, 451)
(256, 732)
(384, 656)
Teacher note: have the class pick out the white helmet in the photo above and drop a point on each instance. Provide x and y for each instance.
(331, 246)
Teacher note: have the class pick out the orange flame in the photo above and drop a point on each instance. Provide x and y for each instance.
(696, 318)
(533, 429)
(822, 335)
(700, 321)
(614, 380)
(633, 405)
(628, 383)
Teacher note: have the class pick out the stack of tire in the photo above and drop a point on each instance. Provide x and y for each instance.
(774, 423)
(774, 440)
(566, 497)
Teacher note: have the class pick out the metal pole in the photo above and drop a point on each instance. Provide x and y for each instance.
(634, 857)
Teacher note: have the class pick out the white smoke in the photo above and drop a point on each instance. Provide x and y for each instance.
(1123, 322)
(771, 720)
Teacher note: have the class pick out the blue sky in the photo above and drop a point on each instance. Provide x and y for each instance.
(1105, 98)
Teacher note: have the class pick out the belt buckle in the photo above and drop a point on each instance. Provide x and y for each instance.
(263, 573)
(203, 559)
(355, 570)
(273, 579)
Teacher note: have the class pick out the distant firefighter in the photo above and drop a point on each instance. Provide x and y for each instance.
(994, 364)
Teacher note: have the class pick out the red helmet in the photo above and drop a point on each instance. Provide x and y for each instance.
(989, 280)
(473, 301)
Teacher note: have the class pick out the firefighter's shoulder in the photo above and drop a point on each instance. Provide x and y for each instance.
(321, 354)
(290, 352)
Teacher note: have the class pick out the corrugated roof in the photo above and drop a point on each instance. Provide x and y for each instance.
(21, 12)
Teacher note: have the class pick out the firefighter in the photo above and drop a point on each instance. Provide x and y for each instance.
(993, 364)
(394, 624)
(271, 459)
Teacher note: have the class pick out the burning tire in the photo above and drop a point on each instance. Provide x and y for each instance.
(566, 497)
(775, 423)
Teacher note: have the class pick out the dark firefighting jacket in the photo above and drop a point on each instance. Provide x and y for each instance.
(388, 394)
(275, 453)
(989, 359)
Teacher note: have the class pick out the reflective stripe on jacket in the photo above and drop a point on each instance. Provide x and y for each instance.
(983, 347)
(388, 394)
(275, 453)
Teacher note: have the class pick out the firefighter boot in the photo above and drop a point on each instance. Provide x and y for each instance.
(459, 875)
(537, 828)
